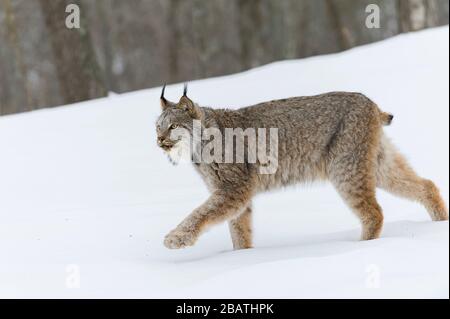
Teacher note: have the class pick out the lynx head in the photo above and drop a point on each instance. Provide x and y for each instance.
(175, 124)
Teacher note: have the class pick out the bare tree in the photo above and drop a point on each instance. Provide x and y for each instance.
(143, 43)
(78, 72)
(20, 68)
(419, 14)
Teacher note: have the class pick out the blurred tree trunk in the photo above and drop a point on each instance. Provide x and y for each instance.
(142, 43)
(20, 74)
(173, 41)
(103, 9)
(342, 33)
(251, 17)
(77, 69)
(418, 14)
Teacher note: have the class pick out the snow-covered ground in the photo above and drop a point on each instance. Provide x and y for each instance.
(86, 196)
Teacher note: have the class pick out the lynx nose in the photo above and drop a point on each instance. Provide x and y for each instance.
(160, 140)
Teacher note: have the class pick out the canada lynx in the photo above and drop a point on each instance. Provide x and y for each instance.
(335, 136)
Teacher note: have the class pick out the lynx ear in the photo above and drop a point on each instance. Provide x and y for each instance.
(187, 104)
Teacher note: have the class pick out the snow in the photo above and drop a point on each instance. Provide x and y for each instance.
(87, 197)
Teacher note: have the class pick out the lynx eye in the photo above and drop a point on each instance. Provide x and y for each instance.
(173, 126)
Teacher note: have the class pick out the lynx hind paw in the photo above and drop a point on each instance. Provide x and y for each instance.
(178, 239)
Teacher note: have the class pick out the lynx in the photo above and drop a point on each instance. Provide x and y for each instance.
(335, 136)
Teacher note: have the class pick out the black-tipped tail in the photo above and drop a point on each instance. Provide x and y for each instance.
(386, 118)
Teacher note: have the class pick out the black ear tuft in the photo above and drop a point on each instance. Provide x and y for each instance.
(163, 91)
(185, 89)
(164, 102)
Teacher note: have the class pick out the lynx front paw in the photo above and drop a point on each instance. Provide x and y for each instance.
(180, 238)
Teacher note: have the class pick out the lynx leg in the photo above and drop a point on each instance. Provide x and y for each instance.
(359, 194)
(352, 171)
(241, 230)
(354, 179)
(220, 206)
(396, 176)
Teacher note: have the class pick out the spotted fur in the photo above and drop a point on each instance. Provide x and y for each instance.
(335, 136)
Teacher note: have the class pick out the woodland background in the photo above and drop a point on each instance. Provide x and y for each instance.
(130, 45)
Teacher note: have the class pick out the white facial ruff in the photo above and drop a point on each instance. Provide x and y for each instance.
(180, 152)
